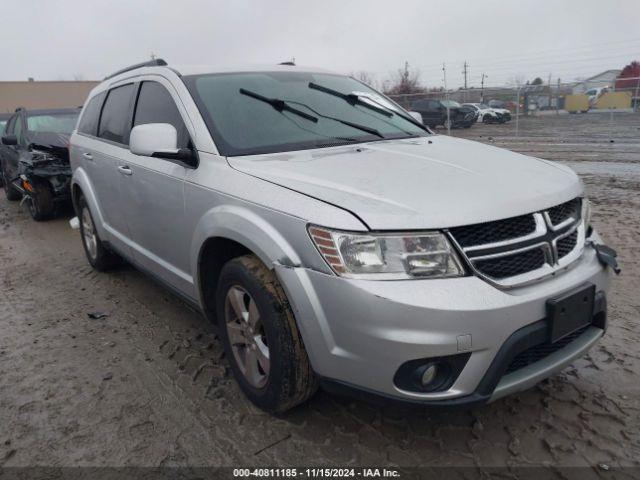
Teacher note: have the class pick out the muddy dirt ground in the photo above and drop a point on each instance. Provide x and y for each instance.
(147, 385)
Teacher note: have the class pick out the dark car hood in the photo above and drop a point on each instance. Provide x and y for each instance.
(56, 143)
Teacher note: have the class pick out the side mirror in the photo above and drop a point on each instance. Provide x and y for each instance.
(9, 140)
(416, 116)
(158, 140)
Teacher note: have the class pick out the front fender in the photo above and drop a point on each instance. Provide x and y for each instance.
(246, 228)
(81, 179)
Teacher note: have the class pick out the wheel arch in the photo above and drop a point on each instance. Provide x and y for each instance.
(81, 185)
(227, 232)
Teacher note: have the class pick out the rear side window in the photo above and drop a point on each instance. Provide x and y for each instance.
(155, 105)
(114, 122)
(91, 115)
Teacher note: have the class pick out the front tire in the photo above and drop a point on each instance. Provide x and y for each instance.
(40, 201)
(261, 338)
(98, 255)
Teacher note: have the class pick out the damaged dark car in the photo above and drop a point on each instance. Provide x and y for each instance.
(34, 158)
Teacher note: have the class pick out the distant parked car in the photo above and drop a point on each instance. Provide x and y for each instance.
(34, 158)
(486, 114)
(434, 113)
(506, 114)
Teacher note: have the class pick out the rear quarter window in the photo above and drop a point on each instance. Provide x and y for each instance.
(116, 115)
(91, 116)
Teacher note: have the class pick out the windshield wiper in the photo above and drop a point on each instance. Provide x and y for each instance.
(357, 126)
(351, 98)
(283, 105)
(279, 105)
(354, 99)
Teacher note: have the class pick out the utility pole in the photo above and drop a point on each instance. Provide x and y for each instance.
(153, 56)
(464, 72)
(558, 98)
(549, 86)
(446, 96)
(482, 88)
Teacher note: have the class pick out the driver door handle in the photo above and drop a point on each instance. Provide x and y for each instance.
(125, 170)
(88, 156)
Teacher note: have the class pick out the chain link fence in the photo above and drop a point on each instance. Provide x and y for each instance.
(451, 108)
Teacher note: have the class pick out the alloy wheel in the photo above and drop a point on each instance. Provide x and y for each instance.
(247, 336)
(89, 234)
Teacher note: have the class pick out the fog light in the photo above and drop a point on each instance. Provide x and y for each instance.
(432, 374)
(428, 375)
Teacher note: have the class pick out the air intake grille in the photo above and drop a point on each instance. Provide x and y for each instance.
(567, 244)
(491, 232)
(511, 265)
(562, 212)
(541, 351)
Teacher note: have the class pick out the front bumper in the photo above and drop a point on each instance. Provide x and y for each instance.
(358, 333)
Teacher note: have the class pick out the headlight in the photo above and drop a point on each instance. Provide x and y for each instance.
(387, 256)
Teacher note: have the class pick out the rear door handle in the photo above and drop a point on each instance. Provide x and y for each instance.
(125, 170)
(88, 156)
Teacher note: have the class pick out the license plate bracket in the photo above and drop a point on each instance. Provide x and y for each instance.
(570, 311)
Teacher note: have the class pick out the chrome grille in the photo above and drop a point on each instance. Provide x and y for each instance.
(491, 232)
(565, 211)
(566, 244)
(510, 265)
(525, 248)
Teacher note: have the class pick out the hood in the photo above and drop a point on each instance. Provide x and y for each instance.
(428, 182)
(56, 143)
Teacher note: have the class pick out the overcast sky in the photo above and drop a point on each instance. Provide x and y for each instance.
(88, 39)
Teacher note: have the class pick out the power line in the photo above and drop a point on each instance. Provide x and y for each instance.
(563, 50)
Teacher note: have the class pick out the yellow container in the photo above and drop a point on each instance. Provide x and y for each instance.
(576, 103)
(614, 100)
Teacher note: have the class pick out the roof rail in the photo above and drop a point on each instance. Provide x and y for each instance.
(157, 62)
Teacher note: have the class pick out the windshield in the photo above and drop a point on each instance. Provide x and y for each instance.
(484, 106)
(450, 104)
(266, 112)
(52, 122)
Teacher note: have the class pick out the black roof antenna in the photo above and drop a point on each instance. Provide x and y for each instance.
(290, 63)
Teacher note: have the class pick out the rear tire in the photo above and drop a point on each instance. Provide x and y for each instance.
(98, 255)
(41, 204)
(9, 190)
(261, 338)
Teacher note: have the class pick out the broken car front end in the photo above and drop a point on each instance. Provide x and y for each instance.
(43, 177)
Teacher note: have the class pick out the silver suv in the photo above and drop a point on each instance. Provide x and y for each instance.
(335, 240)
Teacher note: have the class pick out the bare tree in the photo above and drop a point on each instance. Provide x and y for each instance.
(365, 77)
(78, 77)
(404, 81)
